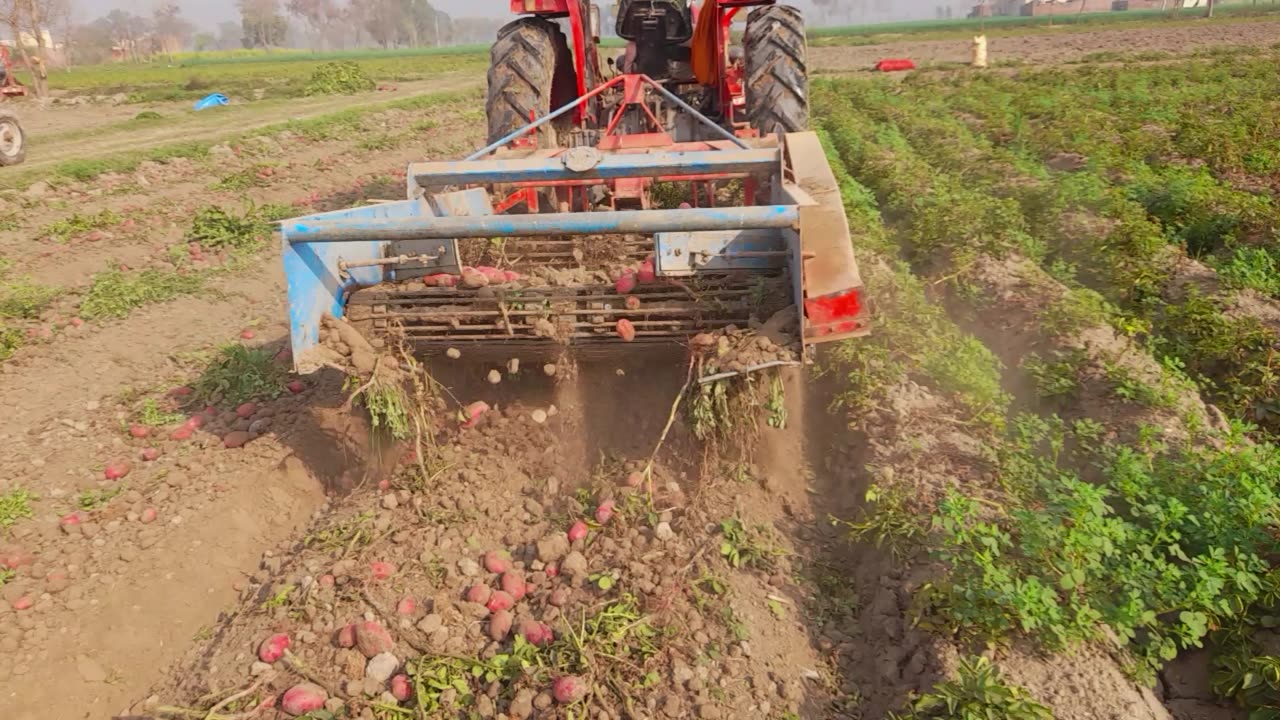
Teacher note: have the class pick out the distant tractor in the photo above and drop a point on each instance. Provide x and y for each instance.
(13, 141)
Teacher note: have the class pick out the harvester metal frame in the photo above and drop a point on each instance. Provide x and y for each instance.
(801, 227)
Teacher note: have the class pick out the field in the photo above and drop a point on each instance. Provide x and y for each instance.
(1045, 486)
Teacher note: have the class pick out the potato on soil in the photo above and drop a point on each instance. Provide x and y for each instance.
(401, 688)
(604, 513)
(514, 585)
(346, 636)
(473, 412)
(577, 531)
(500, 625)
(302, 699)
(569, 689)
(407, 606)
(296, 387)
(148, 516)
(536, 633)
(626, 283)
(500, 600)
(272, 649)
(373, 639)
(117, 470)
(479, 594)
(626, 330)
(495, 562)
(139, 431)
(150, 454)
(382, 570)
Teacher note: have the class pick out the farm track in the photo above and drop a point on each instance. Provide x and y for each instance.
(209, 126)
(67, 395)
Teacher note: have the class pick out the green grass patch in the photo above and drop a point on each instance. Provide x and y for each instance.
(67, 228)
(237, 375)
(15, 505)
(340, 77)
(10, 340)
(150, 413)
(978, 692)
(116, 293)
(20, 298)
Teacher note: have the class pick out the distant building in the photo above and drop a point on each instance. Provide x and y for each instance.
(1037, 8)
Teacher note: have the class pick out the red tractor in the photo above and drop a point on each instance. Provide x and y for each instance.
(13, 141)
(760, 89)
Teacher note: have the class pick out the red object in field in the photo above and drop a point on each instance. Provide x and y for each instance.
(895, 65)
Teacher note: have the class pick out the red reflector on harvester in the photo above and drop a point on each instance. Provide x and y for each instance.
(895, 65)
(836, 314)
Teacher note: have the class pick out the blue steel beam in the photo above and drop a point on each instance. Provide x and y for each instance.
(611, 167)
(645, 222)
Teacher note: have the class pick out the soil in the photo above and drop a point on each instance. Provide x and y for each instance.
(1048, 49)
(159, 588)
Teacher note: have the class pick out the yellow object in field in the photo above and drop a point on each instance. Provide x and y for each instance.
(980, 51)
(706, 66)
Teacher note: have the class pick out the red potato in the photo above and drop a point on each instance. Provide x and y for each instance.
(117, 470)
(568, 689)
(511, 276)
(626, 282)
(440, 280)
(13, 557)
(373, 639)
(473, 413)
(296, 387)
(246, 410)
(197, 421)
(284, 357)
(605, 512)
(500, 600)
(514, 585)
(494, 275)
(552, 571)
(183, 432)
(272, 649)
(633, 303)
(139, 431)
(500, 625)
(536, 633)
(26, 602)
(150, 454)
(302, 699)
(401, 688)
(148, 516)
(326, 581)
(76, 322)
(382, 570)
(626, 330)
(346, 637)
(479, 594)
(384, 485)
(182, 391)
(647, 274)
(407, 606)
(495, 562)
(71, 519)
(247, 334)
(95, 236)
(577, 531)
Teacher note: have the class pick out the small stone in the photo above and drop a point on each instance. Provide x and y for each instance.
(533, 507)
(258, 668)
(372, 639)
(521, 705)
(236, 439)
(453, 353)
(575, 564)
(539, 416)
(390, 502)
(484, 706)
(708, 712)
(381, 667)
(553, 547)
(495, 377)
(664, 532)
(513, 366)
(468, 567)
(549, 369)
(543, 701)
(430, 624)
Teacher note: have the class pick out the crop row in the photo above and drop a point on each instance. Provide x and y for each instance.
(1120, 506)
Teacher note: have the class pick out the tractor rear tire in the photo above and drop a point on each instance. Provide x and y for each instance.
(13, 141)
(530, 74)
(777, 86)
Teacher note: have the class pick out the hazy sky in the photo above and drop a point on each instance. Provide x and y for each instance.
(207, 13)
